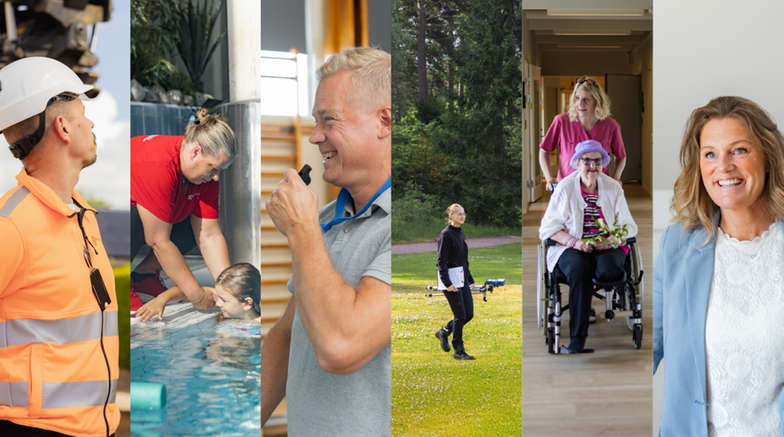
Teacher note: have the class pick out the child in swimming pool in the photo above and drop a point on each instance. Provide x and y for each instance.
(237, 293)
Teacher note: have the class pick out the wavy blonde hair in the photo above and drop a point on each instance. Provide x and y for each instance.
(212, 133)
(371, 77)
(593, 88)
(691, 205)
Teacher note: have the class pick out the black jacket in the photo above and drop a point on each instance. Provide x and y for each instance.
(452, 252)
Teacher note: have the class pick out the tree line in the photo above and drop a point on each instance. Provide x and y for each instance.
(457, 109)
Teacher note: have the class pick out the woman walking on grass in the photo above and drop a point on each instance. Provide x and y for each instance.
(455, 280)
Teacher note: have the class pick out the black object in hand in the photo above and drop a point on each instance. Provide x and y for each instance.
(305, 174)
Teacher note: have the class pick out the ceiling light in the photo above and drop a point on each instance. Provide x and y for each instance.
(578, 32)
(595, 12)
(587, 47)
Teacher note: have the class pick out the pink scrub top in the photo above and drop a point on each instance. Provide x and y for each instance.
(568, 134)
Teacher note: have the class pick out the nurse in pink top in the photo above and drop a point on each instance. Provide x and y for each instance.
(588, 119)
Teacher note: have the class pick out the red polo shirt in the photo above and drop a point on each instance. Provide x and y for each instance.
(156, 181)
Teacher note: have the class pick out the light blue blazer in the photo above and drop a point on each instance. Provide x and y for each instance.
(682, 275)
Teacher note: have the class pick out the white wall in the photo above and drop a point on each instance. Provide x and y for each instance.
(704, 49)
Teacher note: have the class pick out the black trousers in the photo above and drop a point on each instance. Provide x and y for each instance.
(8, 428)
(181, 234)
(462, 304)
(579, 269)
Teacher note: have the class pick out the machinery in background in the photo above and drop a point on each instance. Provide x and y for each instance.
(65, 30)
(483, 289)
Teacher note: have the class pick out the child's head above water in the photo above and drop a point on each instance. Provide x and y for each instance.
(238, 290)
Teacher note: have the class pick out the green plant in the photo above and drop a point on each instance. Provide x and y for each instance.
(413, 205)
(194, 30)
(618, 232)
(153, 43)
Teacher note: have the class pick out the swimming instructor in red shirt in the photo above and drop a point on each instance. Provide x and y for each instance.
(174, 199)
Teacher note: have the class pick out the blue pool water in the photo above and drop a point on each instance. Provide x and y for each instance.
(211, 372)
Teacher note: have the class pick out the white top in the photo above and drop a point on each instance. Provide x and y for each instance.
(744, 345)
(566, 211)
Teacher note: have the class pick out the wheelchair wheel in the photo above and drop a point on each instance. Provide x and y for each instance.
(637, 272)
(550, 340)
(637, 336)
(541, 311)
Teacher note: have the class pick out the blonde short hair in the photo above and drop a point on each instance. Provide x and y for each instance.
(371, 77)
(691, 205)
(14, 134)
(593, 88)
(452, 208)
(213, 134)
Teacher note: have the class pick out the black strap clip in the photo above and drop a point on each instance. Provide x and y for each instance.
(96, 280)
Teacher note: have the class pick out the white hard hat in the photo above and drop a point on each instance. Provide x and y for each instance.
(27, 85)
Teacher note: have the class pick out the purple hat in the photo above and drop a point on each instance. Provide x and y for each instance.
(589, 146)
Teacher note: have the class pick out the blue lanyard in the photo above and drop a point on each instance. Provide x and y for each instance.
(340, 205)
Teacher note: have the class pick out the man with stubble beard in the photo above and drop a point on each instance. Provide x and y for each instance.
(330, 352)
(58, 309)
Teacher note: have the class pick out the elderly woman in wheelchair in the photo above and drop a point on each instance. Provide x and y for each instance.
(574, 251)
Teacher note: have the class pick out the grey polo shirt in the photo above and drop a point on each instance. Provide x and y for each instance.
(357, 404)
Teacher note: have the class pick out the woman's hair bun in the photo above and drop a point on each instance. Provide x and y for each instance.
(201, 114)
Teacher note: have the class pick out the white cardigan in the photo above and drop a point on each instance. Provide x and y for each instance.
(566, 211)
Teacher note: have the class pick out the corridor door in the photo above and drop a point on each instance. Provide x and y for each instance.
(625, 97)
(534, 108)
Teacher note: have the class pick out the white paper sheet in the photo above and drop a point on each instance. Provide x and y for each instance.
(455, 276)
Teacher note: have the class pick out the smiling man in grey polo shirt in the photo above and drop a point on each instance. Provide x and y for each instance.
(330, 352)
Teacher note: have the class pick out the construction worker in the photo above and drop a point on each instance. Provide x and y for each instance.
(58, 308)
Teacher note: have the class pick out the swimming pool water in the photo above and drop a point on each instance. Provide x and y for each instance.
(211, 372)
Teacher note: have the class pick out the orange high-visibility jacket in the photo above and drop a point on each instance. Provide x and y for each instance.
(58, 351)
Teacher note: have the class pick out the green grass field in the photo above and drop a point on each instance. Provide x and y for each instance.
(122, 285)
(434, 394)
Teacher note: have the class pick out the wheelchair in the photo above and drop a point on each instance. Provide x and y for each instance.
(624, 295)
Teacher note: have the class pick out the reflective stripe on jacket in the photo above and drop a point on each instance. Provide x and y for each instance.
(58, 350)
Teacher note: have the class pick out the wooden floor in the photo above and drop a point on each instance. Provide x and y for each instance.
(607, 393)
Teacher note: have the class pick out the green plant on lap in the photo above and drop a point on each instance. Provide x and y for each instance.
(618, 233)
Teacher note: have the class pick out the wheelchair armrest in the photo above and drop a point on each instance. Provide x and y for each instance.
(631, 240)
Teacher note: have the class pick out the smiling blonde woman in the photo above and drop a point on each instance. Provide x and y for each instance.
(455, 281)
(588, 118)
(719, 277)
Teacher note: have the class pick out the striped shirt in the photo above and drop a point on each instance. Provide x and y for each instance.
(592, 213)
